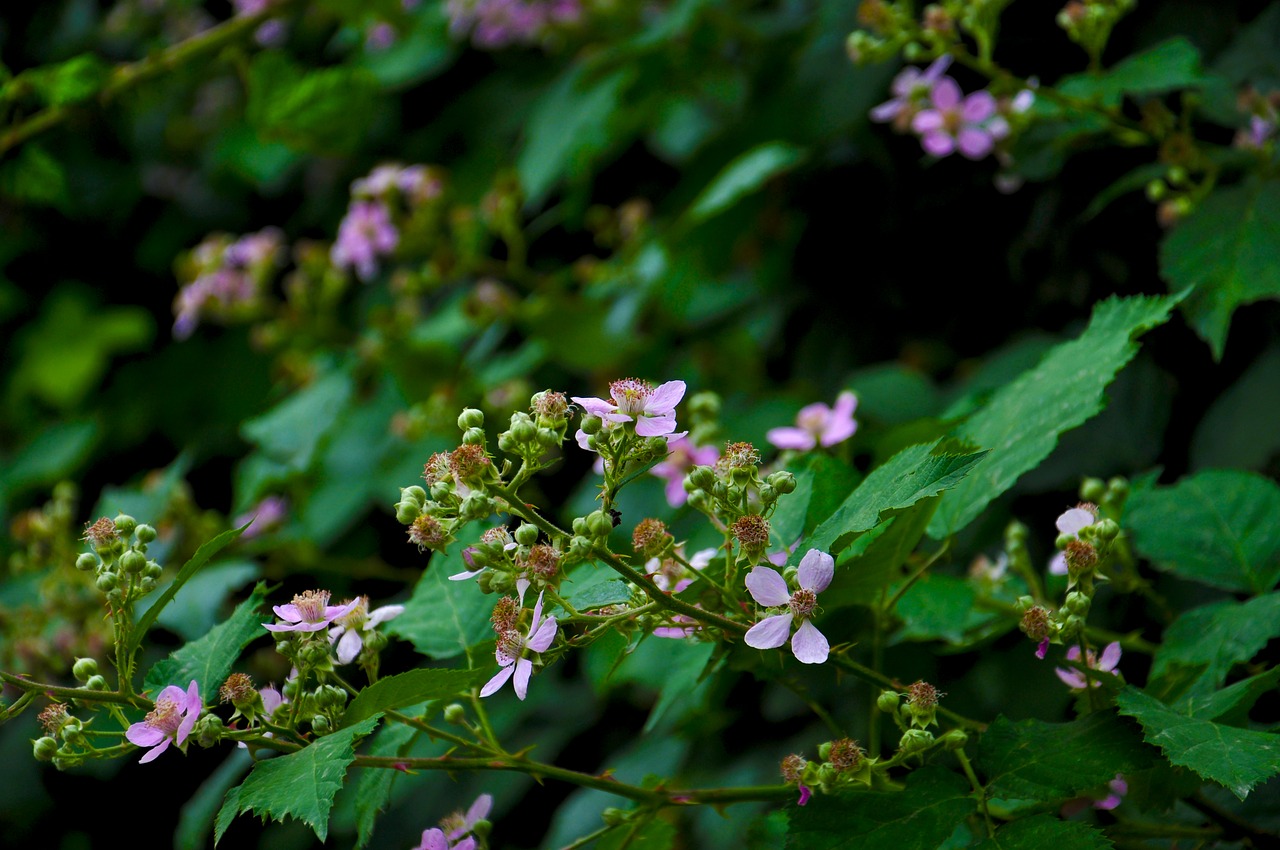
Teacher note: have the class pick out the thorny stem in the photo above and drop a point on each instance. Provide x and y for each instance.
(65, 694)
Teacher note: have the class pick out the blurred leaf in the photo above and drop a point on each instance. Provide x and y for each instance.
(912, 474)
(443, 619)
(411, 688)
(198, 814)
(743, 175)
(33, 175)
(1053, 762)
(1238, 429)
(1237, 759)
(687, 662)
(1218, 527)
(599, 589)
(298, 785)
(1252, 56)
(194, 611)
(1022, 421)
(72, 81)
(318, 111)
(1174, 64)
(1220, 636)
(1225, 251)
(649, 833)
(940, 607)
(373, 787)
(935, 802)
(52, 454)
(209, 660)
(573, 123)
(290, 432)
(423, 51)
(1040, 831)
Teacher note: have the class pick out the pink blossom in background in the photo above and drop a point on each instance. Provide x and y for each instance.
(1076, 680)
(170, 722)
(309, 612)
(365, 234)
(911, 90)
(769, 589)
(684, 456)
(450, 834)
(266, 515)
(954, 122)
(495, 24)
(818, 425)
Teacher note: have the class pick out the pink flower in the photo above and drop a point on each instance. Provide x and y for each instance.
(1116, 790)
(453, 827)
(309, 612)
(683, 626)
(266, 515)
(911, 90)
(510, 652)
(631, 400)
(1072, 522)
(967, 124)
(819, 425)
(1076, 680)
(670, 575)
(366, 232)
(769, 588)
(350, 628)
(170, 722)
(684, 456)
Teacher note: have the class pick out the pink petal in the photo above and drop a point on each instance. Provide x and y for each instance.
(887, 111)
(1110, 657)
(655, 426)
(468, 843)
(937, 68)
(192, 701)
(154, 753)
(433, 839)
(769, 633)
(337, 612)
(542, 639)
(767, 587)
(816, 570)
(497, 681)
(537, 613)
(1071, 678)
(790, 437)
(665, 398)
(809, 645)
(978, 107)
(479, 809)
(974, 144)
(1058, 565)
(928, 121)
(945, 94)
(805, 794)
(1108, 802)
(288, 612)
(144, 735)
(1042, 649)
(349, 646)
(594, 406)
(524, 669)
(938, 144)
(173, 693)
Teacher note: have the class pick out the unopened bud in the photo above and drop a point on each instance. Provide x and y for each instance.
(133, 562)
(1092, 490)
(526, 534)
(702, 477)
(44, 748)
(454, 713)
(888, 701)
(407, 512)
(955, 739)
(591, 424)
(473, 437)
(599, 524)
(915, 741)
(614, 816)
(96, 683)
(86, 562)
(84, 669)
(470, 418)
(1107, 529)
(125, 524)
(145, 534)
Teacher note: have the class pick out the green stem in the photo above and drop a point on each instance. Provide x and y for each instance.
(979, 790)
(66, 694)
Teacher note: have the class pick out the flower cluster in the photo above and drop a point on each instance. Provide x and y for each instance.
(769, 589)
(226, 278)
(368, 232)
(495, 24)
(458, 831)
(512, 645)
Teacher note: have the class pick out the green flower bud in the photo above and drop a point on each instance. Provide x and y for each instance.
(116, 597)
(591, 425)
(915, 741)
(84, 668)
(1107, 529)
(955, 739)
(1015, 532)
(107, 582)
(1063, 540)
(523, 429)
(700, 501)
(44, 749)
(470, 418)
(454, 713)
(72, 731)
(783, 481)
(549, 437)
(86, 562)
(414, 493)
(153, 570)
(768, 494)
(473, 437)
(321, 725)
(703, 477)
(1076, 603)
(507, 443)
(407, 512)
(1117, 490)
(209, 730)
(614, 816)
(96, 683)
(599, 524)
(133, 562)
(476, 506)
(1092, 490)
(526, 534)
(145, 534)
(440, 491)
(125, 525)
(888, 701)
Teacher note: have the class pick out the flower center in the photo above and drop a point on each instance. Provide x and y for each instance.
(812, 421)
(358, 615)
(164, 717)
(803, 603)
(311, 605)
(511, 643)
(630, 395)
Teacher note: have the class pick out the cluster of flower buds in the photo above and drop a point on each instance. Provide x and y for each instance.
(501, 561)
(119, 559)
(1089, 22)
(914, 711)
(531, 436)
(63, 741)
(843, 765)
(733, 493)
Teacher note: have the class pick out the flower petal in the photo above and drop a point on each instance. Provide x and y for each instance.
(769, 633)
(1071, 678)
(499, 679)
(466, 575)
(144, 735)
(1075, 519)
(433, 839)
(479, 809)
(349, 646)
(790, 437)
(381, 615)
(767, 587)
(816, 570)
(655, 426)
(1110, 657)
(541, 639)
(524, 669)
(809, 645)
(154, 753)
(665, 398)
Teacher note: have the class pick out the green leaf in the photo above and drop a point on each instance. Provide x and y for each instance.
(641, 834)
(209, 660)
(409, 688)
(1022, 420)
(1237, 759)
(298, 785)
(72, 81)
(198, 560)
(1040, 831)
(687, 664)
(373, 788)
(1173, 64)
(573, 123)
(913, 474)
(878, 556)
(597, 590)
(940, 607)
(1225, 250)
(922, 817)
(53, 453)
(1230, 705)
(321, 111)
(1218, 636)
(290, 432)
(1218, 527)
(33, 175)
(195, 610)
(743, 175)
(1053, 762)
(1237, 431)
(444, 619)
(199, 813)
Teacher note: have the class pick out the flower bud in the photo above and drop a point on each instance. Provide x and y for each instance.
(145, 534)
(454, 713)
(613, 816)
(473, 437)
(1093, 490)
(523, 429)
(321, 725)
(549, 437)
(955, 739)
(768, 494)
(1107, 529)
(86, 562)
(209, 730)
(591, 425)
(84, 668)
(476, 506)
(133, 562)
(413, 493)
(1076, 603)
(915, 741)
(153, 571)
(599, 524)
(407, 512)
(782, 481)
(702, 477)
(107, 582)
(44, 748)
(700, 501)
(526, 534)
(125, 524)
(888, 701)
(96, 683)
(1117, 490)
(470, 418)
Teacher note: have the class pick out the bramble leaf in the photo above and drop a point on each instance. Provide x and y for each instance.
(409, 688)
(443, 618)
(1218, 636)
(1040, 831)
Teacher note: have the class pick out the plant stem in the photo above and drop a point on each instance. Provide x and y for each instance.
(82, 694)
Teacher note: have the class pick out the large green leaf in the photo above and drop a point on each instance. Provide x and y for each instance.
(1053, 762)
(199, 813)
(373, 788)
(642, 834)
(742, 176)
(443, 619)
(1237, 759)
(1231, 704)
(298, 785)
(322, 111)
(913, 474)
(1173, 64)
(409, 688)
(878, 556)
(934, 803)
(1022, 420)
(209, 659)
(1218, 636)
(1226, 251)
(1218, 527)
(291, 431)
(1040, 831)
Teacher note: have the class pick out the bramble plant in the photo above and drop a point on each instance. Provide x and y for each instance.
(570, 516)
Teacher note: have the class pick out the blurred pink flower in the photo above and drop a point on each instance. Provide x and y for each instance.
(818, 425)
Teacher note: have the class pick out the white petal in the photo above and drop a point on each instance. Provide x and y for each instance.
(816, 570)
(768, 587)
(349, 646)
(769, 633)
(809, 644)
